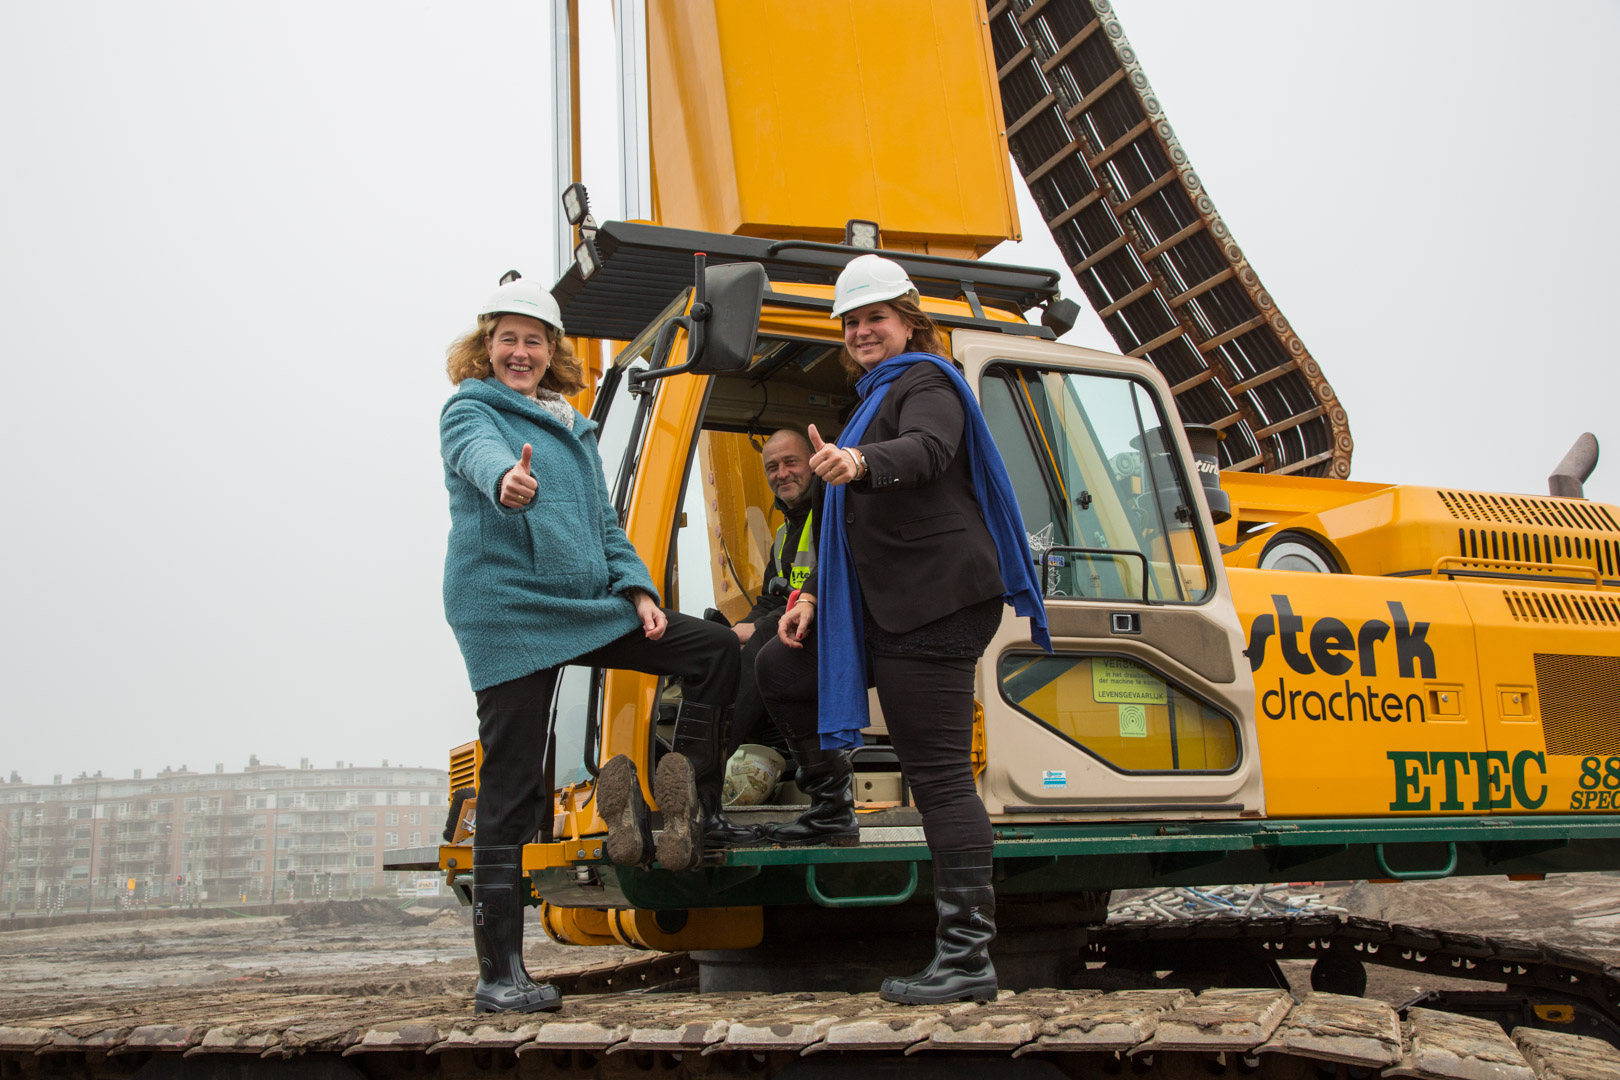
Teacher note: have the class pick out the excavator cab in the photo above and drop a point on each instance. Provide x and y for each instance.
(1139, 710)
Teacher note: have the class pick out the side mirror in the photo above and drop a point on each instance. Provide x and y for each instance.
(725, 317)
(721, 326)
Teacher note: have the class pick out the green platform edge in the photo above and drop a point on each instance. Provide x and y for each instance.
(1054, 859)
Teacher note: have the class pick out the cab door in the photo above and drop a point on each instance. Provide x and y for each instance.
(1146, 707)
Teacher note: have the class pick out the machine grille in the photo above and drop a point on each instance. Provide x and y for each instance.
(1574, 609)
(464, 762)
(1529, 510)
(1529, 547)
(1580, 703)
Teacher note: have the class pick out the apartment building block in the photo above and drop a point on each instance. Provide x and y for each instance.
(265, 833)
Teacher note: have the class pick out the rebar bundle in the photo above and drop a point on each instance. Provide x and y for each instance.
(1220, 901)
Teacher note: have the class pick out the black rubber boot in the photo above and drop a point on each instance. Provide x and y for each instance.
(503, 983)
(687, 786)
(719, 831)
(961, 969)
(827, 777)
(619, 802)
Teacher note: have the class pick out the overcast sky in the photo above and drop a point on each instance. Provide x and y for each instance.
(235, 240)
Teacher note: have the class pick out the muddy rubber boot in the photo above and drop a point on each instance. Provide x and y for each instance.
(961, 969)
(829, 779)
(629, 822)
(687, 787)
(503, 983)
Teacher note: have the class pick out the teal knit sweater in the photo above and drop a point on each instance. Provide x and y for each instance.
(530, 588)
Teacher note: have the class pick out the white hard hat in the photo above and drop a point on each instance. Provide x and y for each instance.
(868, 279)
(523, 297)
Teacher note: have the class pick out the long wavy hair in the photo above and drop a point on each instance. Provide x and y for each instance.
(925, 334)
(468, 358)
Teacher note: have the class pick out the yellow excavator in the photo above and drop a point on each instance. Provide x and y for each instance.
(1263, 672)
(1437, 696)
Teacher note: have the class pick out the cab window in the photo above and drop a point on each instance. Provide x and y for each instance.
(1106, 504)
(1120, 712)
(722, 536)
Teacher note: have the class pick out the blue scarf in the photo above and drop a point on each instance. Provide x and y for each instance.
(841, 639)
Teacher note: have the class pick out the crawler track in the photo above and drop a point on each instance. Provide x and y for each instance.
(615, 1022)
(1079, 1033)
(1580, 989)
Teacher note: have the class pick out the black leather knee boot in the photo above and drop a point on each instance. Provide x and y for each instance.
(961, 969)
(828, 778)
(719, 831)
(687, 786)
(503, 983)
(619, 802)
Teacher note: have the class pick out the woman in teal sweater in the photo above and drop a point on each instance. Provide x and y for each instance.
(539, 574)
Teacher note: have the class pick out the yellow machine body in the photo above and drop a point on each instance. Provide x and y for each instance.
(661, 931)
(1464, 661)
(1384, 696)
(1406, 530)
(749, 137)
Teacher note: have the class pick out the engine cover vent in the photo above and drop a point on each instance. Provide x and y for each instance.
(1516, 547)
(1574, 609)
(1580, 701)
(1529, 510)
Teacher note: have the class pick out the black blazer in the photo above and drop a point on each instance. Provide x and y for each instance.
(914, 528)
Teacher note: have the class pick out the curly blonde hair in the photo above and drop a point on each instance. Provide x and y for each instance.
(468, 358)
(925, 334)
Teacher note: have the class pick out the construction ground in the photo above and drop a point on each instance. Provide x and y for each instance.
(372, 947)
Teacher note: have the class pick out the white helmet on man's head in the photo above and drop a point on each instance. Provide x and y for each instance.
(868, 279)
(522, 297)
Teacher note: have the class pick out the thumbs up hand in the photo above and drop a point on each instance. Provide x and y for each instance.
(833, 463)
(518, 485)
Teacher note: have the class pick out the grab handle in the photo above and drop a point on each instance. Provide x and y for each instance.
(880, 900)
(1417, 875)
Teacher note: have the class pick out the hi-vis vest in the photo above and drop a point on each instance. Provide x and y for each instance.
(804, 557)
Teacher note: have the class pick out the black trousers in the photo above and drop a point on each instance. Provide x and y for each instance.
(751, 723)
(928, 707)
(514, 784)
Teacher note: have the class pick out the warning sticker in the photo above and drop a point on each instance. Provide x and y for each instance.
(1118, 682)
(1133, 721)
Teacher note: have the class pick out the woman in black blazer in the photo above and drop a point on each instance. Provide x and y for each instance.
(919, 546)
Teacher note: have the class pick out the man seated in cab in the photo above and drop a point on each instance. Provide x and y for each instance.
(786, 457)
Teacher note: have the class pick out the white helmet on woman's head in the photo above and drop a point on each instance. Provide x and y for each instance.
(521, 297)
(868, 279)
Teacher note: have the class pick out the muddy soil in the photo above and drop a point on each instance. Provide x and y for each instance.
(370, 948)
